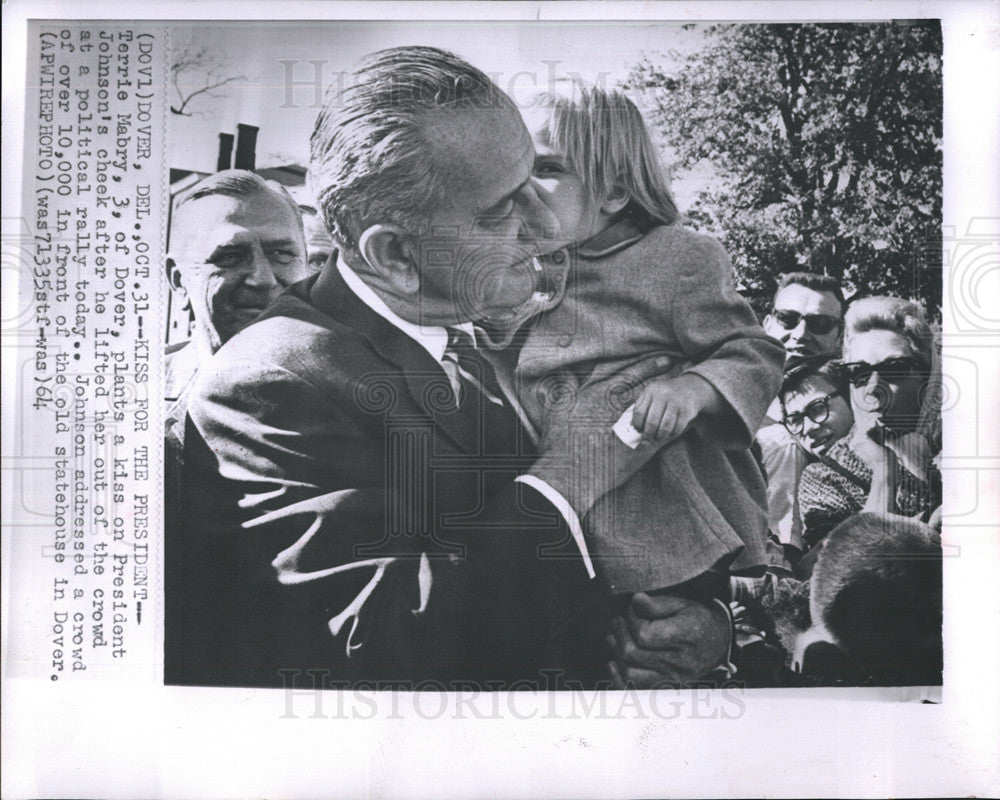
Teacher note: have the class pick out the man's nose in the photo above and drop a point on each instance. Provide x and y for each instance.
(538, 221)
(260, 275)
(799, 331)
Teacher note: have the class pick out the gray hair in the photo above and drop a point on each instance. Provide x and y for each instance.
(894, 314)
(370, 158)
(235, 183)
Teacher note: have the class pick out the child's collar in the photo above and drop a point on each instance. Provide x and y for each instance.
(624, 233)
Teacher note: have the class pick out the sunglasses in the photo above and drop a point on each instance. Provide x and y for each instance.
(892, 369)
(816, 324)
(818, 411)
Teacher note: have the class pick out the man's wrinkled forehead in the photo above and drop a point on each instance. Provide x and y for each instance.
(207, 222)
(315, 231)
(483, 154)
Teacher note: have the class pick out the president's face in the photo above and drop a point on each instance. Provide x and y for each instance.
(477, 259)
(231, 256)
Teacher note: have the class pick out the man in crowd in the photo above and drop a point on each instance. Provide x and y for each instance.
(360, 497)
(319, 243)
(807, 317)
(235, 242)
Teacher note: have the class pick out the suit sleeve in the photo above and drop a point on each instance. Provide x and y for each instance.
(286, 562)
(718, 331)
(253, 572)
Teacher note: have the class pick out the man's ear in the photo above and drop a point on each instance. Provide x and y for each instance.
(615, 200)
(389, 255)
(175, 279)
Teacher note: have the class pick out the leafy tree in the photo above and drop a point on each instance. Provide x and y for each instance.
(824, 147)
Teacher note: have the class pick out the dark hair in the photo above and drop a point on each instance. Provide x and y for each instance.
(877, 589)
(371, 161)
(814, 281)
(799, 371)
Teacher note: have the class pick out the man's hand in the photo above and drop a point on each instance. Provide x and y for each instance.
(666, 639)
(667, 406)
(581, 457)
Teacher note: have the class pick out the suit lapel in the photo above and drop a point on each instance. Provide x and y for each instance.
(424, 378)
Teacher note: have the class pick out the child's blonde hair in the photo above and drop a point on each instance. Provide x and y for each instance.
(605, 141)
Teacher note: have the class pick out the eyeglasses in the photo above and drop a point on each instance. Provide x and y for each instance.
(816, 324)
(892, 369)
(818, 411)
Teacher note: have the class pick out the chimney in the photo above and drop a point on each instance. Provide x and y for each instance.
(246, 146)
(225, 152)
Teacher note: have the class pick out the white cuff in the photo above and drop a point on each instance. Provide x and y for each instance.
(625, 431)
(567, 513)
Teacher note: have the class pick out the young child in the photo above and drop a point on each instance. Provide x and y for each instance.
(636, 286)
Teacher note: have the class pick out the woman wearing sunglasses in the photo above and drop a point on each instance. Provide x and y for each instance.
(884, 463)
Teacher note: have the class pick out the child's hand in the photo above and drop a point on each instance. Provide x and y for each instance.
(667, 406)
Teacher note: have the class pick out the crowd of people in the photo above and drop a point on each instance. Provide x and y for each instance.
(851, 450)
(480, 406)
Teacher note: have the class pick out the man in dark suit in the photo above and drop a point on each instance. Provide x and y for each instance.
(360, 496)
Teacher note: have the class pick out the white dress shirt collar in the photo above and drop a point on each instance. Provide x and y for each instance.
(433, 338)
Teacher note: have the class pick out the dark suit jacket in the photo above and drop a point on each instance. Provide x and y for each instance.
(327, 472)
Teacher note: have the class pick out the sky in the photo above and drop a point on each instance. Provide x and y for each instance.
(522, 57)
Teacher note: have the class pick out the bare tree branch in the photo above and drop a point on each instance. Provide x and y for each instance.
(186, 99)
(208, 73)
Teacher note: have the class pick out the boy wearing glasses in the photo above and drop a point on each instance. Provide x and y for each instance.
(815, 403)
(885, 464)
(807, 318)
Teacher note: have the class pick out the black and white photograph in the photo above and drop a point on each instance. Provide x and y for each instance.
(448, 399)
(542, 374)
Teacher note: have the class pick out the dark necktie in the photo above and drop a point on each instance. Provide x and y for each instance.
(467, 368)
(479, 392)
